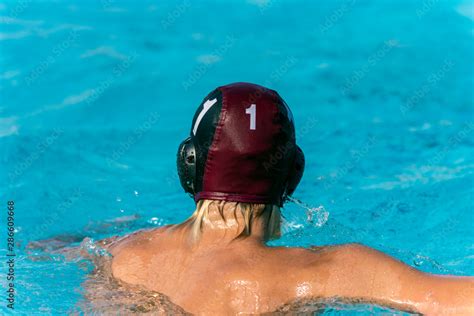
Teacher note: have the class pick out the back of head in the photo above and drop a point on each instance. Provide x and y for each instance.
(242, 147)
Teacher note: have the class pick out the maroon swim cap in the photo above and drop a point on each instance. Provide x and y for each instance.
(242, 147)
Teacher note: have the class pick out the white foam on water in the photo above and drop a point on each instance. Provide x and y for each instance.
(9, 74)
(259, 3)
(46, 32)
(15, 21)
(104, 51)
(466, 9)
(208, 59)
(14, 35)
(78, 98)
(8, 126)
(422, 175)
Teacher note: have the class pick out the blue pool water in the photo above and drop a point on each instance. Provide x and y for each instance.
(96, 96)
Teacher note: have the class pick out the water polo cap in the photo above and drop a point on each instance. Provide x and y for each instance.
(242, 147)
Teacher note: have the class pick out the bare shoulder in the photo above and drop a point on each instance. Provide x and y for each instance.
(131, 254)
(135, 241)
(298, 257)
(358, 257)
(314, 263)
(349, 250)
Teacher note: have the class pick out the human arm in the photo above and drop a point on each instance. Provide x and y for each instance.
(360, 272)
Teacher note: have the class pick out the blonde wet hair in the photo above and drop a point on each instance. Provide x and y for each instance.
(247, 211)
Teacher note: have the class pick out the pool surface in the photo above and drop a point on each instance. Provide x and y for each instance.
(95, 98)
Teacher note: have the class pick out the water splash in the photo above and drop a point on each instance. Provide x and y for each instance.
(316, 216)
(90, 247)
(421, 261)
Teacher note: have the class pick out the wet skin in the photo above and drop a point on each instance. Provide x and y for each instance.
(220, 275)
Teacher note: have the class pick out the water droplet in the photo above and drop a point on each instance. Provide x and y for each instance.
(156, 221)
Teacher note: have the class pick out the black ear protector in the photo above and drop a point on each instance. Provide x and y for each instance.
(186, 163)
(296, 173)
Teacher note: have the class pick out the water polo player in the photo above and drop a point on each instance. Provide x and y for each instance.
(240, 163)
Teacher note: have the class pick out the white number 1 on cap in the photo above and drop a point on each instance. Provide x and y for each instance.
(252, 110)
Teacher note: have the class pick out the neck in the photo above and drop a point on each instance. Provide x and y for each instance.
(224, 223)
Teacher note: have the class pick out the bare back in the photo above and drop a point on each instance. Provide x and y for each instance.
(247, 277)
(240, 277)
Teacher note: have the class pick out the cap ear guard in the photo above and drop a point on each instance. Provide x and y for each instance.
(296, 173)
(186, 163)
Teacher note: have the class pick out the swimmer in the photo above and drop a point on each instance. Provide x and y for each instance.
(240, 164)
